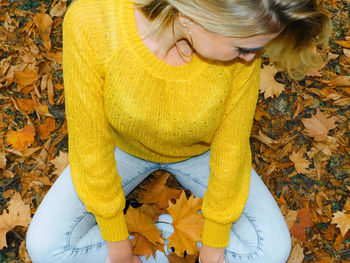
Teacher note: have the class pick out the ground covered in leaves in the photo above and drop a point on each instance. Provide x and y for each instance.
(300, 143)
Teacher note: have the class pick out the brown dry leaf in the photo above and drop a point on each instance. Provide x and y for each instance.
(44, 24)
(188, 225)
(318, 126)
(20, 139)
(60, 162)
(343, 43)
(158, 193)
(24, 79)
(47, 127)
(303, 220)
(343, 222)
(173, 258)
(300, 163)
(141, 246)
(143, 224)
(343, 81)
(3, 160)
(18, 215)
(297, 255)
(346, 52)
(290, 218)
(268, 85)
(26, 105)
(347, 205)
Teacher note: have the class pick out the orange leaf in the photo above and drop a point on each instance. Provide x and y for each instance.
(173, 258)
(47, 127)
(20, 139)
(268, 85)
(188, 225)
(26, 105)
(318, 126)
(158, 193)
(343, 43)
(141, 246)
(343, 222)
(303, 220)
(143, 224)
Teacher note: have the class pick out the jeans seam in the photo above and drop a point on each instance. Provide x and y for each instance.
(260, 239)
(144, 172)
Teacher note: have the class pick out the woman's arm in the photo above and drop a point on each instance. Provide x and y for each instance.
(91, 140)
(230, 159)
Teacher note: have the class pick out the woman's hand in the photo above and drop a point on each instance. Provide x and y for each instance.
(121, 252)
(211, 254)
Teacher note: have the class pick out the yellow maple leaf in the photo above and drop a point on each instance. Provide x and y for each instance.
(187, 223)
(141, 224)
(158, 193)
(141, 246)
(268, 85)
(18, 215)
(300, 163)
(342, 220)
(318, 126)
(20, 139)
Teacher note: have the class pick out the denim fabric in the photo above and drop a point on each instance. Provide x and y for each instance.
(62, 231)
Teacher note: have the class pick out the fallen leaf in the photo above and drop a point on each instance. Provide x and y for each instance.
(60, 162)
(297, 255)
(303, 220)
(343, 43)
(26, 105)
(318, 126)
(3, 160)
(300, 163)
(343, 222)
(158, 193)
(20, 139)
(268, 85)
(188, 225)
(47, 127)
(18, 215)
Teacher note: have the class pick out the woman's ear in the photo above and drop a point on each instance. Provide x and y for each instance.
(184, 20)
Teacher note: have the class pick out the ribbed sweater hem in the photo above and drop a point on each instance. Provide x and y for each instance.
(113, 228)
(215, 234)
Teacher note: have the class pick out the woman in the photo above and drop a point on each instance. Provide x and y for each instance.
(173, 85)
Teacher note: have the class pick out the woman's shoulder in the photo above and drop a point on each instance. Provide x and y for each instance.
(91, 23)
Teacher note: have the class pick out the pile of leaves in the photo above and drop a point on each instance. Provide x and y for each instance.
(300, 144)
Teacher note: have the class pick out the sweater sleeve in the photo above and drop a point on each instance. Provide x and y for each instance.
(230, 159)
(91, 141)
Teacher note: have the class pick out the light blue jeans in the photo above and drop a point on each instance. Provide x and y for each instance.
(62, 231)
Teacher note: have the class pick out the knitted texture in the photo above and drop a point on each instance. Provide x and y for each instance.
(119, 94)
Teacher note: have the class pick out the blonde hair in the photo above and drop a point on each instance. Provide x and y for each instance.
(304, 25)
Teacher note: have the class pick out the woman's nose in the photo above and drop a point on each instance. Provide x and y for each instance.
(248, 57)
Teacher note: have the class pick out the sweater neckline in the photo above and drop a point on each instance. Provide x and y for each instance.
(145, 57)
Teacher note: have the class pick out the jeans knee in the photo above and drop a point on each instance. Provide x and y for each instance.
(280, 252)
(38, 245)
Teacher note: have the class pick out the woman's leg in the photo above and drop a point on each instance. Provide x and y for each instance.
(63, 231)
(260, 235)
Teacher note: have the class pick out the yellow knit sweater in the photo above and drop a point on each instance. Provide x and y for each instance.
(119, 94)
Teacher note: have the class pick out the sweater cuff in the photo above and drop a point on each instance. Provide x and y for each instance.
(113, 228)
(215, 234)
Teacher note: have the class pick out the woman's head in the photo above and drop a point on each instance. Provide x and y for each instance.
(301, 23)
